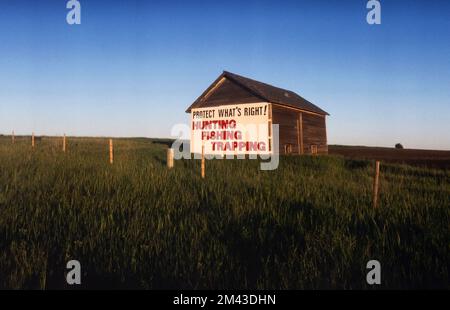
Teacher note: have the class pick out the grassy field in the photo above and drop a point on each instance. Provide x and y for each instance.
(135, 224)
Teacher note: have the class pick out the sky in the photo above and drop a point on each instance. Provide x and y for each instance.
(131, 68)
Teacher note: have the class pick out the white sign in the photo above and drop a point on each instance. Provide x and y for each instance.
(231, 129)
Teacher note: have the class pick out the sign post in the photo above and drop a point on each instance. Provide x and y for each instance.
(203, 162)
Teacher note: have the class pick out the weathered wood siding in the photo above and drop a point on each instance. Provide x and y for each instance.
(314, 133)
(228, 92)
(287, 121)
(313, 128)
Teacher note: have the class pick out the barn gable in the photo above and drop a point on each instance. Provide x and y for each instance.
(230, 88)
(225, 92)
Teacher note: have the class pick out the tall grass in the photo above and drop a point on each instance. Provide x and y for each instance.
(136, 224)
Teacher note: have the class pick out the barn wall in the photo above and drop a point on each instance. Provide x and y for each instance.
(228, 92)
(314, 133)
(313, 128)
(287, 121)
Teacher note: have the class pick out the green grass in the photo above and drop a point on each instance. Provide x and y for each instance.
(135, 224)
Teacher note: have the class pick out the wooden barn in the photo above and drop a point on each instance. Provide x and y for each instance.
(302, 125)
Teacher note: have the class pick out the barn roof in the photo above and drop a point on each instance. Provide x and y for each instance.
(265, 91)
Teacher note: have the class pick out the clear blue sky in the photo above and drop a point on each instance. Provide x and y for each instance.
(132, 67)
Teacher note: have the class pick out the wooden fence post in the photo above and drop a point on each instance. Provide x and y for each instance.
(170, 154)
(375, 184)
(203, 161)
(64, 143)
(111, 152)
(32, 140)
(12, 137)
